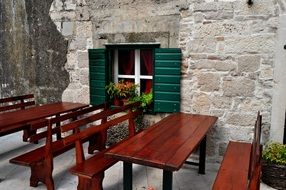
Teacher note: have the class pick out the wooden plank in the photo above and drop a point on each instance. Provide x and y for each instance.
(163, 147)
(88, 169)
(134, 145)
(17, 106)
(233, 173)
(183, 152)
(16, 98)
(22, 117)
(97, 116)
(158, 145)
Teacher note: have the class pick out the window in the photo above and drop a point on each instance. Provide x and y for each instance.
(134, 65)
(151, 67)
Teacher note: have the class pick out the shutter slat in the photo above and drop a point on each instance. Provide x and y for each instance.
(167, 87)
(167, 80)
(97, 75)
(168, 63)
(167, 96)
(163, 70)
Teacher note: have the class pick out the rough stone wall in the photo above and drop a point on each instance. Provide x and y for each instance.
(32, 51)
(91, 24)
(228, 65)
(72, 19)
(228, 53)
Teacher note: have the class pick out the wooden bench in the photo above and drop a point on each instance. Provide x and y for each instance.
(90, 171)
(40, 160)
(241, 167)
(16, 102)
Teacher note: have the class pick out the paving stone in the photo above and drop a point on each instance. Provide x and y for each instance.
(14, 177)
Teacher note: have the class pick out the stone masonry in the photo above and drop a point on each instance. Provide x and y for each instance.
(228, 65)
(228, 53)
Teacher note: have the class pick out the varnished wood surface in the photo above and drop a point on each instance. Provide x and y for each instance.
(167, 144)
(233, 173)
(16, 103)
(241, 166)
(21, 117)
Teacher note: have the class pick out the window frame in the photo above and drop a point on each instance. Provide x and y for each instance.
(111, 51)
(166, 83)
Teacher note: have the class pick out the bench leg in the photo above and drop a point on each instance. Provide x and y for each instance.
(127, 176)
(89, 184)
(49, 183)
(41, 173)
(202, 159)
(167, 180)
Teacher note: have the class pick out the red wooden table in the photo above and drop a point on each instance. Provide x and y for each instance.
(13, 121)
(165, 145)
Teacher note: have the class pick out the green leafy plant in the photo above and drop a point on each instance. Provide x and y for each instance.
(275, 153)
(145, 99)
(121, 90)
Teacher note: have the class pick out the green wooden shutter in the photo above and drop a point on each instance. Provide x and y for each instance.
(167, 79)
(97, 75)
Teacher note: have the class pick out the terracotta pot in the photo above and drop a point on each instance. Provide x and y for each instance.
(117, 102)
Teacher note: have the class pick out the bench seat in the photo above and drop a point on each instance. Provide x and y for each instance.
(90, 171)
(40, 160)
(235, 165)
(94, 165)
(37, 155)
(241, 165)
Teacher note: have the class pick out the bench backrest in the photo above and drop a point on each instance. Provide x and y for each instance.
(56, 121)
(16, 102)
(255, 161)
(129, 113)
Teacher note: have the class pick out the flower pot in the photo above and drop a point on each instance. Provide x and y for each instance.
(117, 102)
(274, 175)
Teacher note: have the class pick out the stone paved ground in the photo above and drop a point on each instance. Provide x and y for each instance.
(16, 177)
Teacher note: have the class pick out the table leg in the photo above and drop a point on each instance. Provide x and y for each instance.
(127, 176)
(59, 136)
(202, 160)
(167, 180)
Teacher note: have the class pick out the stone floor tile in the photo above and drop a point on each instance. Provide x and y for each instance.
(16, 177)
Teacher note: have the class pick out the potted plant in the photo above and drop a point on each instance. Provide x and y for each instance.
(274, 165)
(145, 99)
(120, 91)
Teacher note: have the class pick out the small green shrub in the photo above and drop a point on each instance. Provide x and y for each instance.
(275, 153)
(145, 99)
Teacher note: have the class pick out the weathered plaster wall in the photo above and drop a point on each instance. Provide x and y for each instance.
(279, 90)
(32, 51)
(228, 53)
(16, 68)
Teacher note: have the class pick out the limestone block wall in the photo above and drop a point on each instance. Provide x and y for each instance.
(72, 19)
(228, 53)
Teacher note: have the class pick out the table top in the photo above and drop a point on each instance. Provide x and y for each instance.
(166, 144)
(12, 119)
